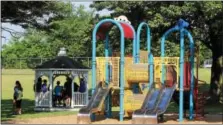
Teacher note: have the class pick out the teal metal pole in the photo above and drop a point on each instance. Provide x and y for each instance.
(151, 64)
(181, 74)
(122, 61)
(162, 56)
(122, 64)
(93, 65)
(106, 59)
(107, 78)
(134, 50)
(191, 72)
(110, 96)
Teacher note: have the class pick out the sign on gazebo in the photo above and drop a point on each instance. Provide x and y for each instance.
(63, 72)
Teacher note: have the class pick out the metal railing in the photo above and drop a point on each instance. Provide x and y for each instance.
(80, 99)
(30, 63)
(42, 99)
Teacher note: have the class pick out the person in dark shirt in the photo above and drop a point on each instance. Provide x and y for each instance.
(38, 85)
(44, 86)
(82, 86)
(17, 97)
(58, 93)
(68, 91)
(76, 87)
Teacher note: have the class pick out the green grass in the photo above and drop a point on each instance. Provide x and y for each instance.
(26, 77)
(27, 80)
(204, 74)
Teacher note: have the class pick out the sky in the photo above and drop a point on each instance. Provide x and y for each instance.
(17, 28)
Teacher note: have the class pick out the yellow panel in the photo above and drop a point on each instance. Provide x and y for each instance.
(133, 101)
(115, 71)
(132, 74)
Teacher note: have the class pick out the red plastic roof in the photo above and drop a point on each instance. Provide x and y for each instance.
(105, 27)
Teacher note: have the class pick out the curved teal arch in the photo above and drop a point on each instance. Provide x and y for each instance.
(139, 29)
(150, 56)
(182, 33)
(122, 59)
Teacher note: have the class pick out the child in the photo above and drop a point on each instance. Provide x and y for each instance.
(17, 99)
(82, 88)
(44, 86)
(58, 94)
(14, 99)
(67, 91)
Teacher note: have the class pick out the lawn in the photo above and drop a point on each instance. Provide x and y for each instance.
(27, 80)
(26, 77)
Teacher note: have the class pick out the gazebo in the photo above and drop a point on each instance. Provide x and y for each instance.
(61, 65)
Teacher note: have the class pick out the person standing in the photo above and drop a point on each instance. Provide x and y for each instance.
(76, 87)
(82, 88)
(17, 99)
(14, 99)
(58, 93)
(44, 86)
(68, 91)
(37, 86)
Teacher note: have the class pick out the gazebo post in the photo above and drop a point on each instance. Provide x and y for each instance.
(35, 81)
(87, 81)
(73, 75)
(51, 86)
(53, 78)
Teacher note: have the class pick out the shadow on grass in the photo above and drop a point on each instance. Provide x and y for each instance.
(27, 111)
(213, 111)
(7, 108)
(204, 87)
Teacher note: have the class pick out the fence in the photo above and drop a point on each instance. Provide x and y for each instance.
(42, 99)
(31, 63)
(80, 99)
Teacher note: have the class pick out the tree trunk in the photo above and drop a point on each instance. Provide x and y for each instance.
(216, 71)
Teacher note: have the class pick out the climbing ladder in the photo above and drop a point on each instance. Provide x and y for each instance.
(115, 71)
(200, 102)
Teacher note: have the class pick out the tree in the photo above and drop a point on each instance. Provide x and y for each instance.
(205, 19)
(72, 32)
(37, 14)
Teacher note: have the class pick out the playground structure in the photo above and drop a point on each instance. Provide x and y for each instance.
(136, 78)
(148, 87)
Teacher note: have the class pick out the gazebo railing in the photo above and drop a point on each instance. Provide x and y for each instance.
(80, 99)
(43, 99)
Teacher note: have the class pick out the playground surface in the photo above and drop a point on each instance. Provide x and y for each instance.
(72, 119)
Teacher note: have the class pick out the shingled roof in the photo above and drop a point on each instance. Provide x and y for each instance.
(62, 62)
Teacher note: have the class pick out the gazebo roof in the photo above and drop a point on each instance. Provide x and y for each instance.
(61, 62)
